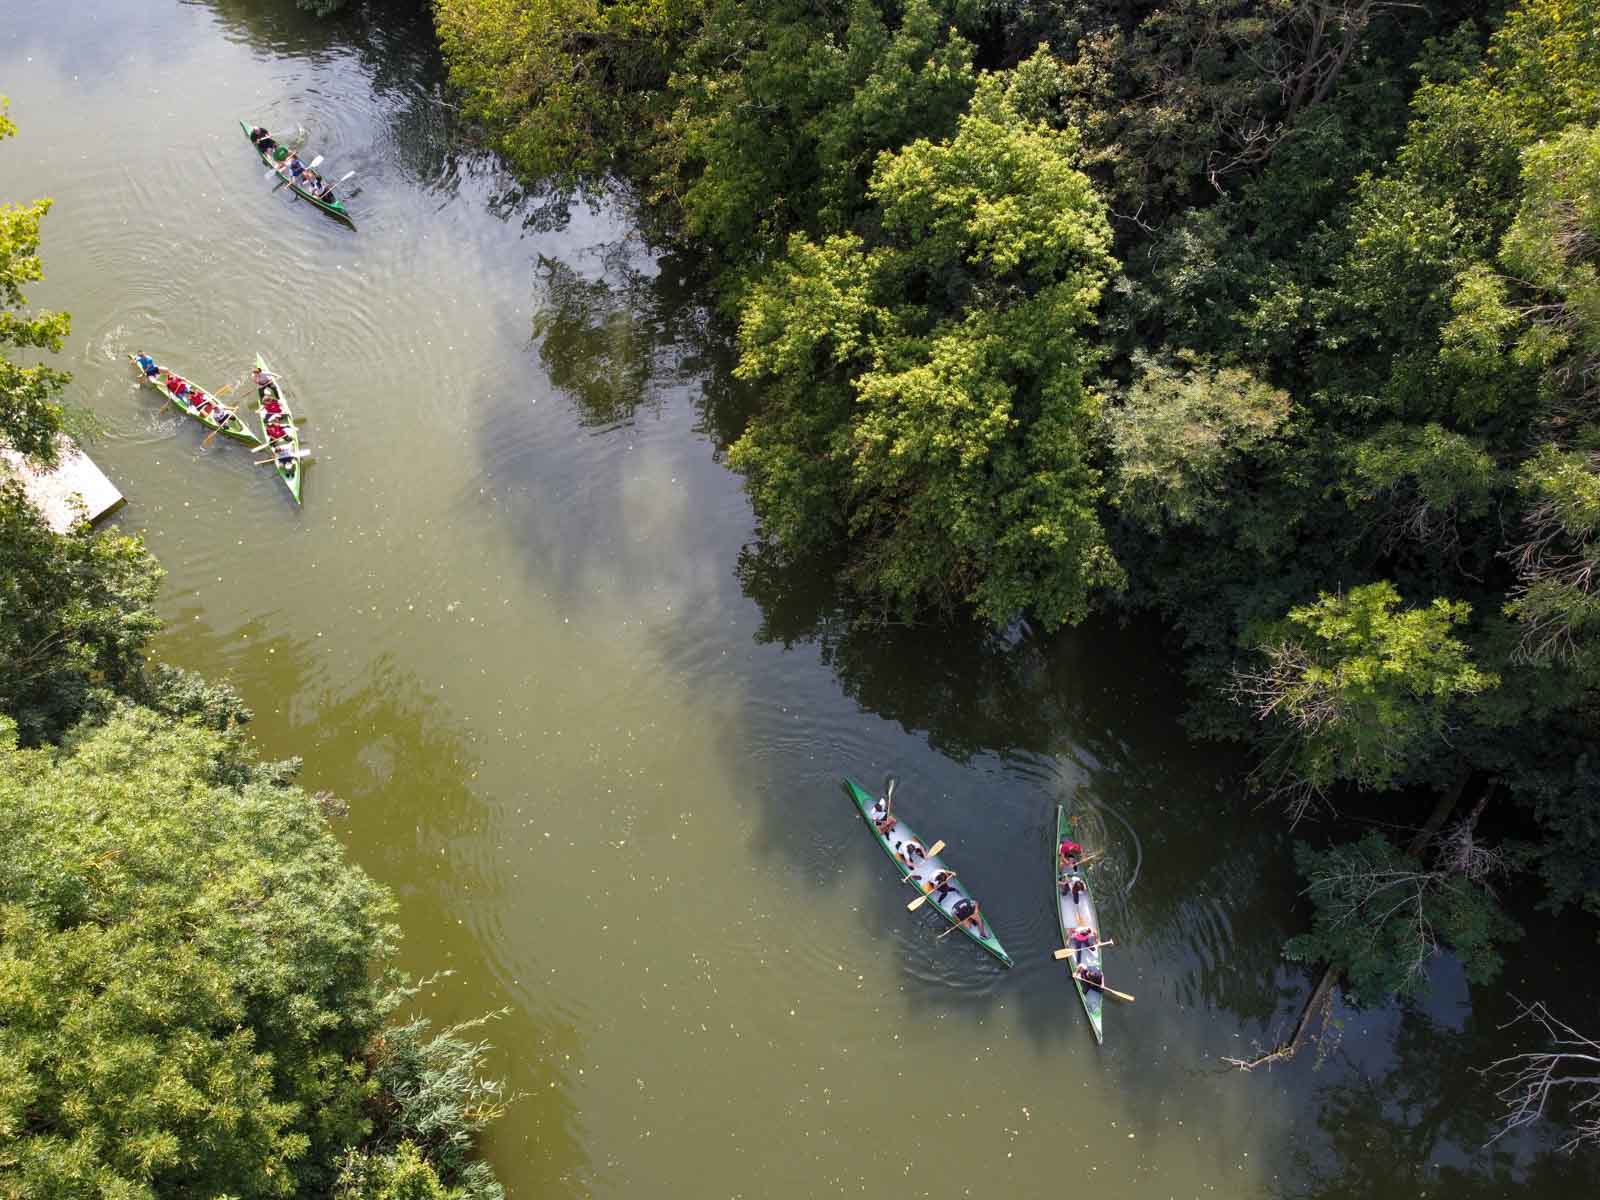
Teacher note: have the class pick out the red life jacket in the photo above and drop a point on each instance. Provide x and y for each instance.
(174, 383)
(276, 431)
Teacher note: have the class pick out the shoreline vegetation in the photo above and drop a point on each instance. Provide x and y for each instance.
(1276, 321)
(199, 997)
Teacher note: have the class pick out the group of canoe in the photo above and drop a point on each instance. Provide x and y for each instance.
(280, 435)
(941, 890)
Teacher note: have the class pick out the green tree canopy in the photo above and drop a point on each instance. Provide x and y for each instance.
(30, 417)
(1379, 916)
(1359, 689)
(76, 613)
(191, 981)
(926, 386)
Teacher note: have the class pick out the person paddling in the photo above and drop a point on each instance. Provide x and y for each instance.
(1091, 976)
(1074, 886)
(1070, 853)
(966, 913)
(882, 819)
(147, 365)
(1083, 938)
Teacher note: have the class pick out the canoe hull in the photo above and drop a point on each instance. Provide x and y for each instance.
(1071, 914)
(236, 429)
(335, 210)
(926, 869)
(291, 475)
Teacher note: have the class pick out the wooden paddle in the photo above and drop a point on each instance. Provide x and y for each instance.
(1069, 951)
(923, 899)
(1103, 988)
(958, 925)
(221, 425)
(1087, 857)
(261, 462)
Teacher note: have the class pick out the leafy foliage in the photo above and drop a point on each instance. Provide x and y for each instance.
(30, 417)
(76, 613)
(1379, 917)
(927, 386)
(194, 980)
(1180, 435)
(1362, 690)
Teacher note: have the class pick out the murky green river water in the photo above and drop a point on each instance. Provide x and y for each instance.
(593, 738)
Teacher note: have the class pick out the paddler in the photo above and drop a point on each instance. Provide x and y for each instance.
(1074, 886)
(1092, 976)
(941, 884)
(262, 378)
(966, 913)
(1083, 938)
(147, 365)
(882, 819)
(910, 852)
(1070, 853)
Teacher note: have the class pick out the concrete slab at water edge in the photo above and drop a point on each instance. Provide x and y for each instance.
(58, 492)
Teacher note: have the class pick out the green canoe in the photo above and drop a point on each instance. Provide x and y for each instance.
(334, 208)
(1072, 914)
(942, 902)
(290, 474)
(236, 428)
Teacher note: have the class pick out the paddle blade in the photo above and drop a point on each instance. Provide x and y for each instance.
(935, 848)
(345, 176)
(916, 904)
(315, 162)
(1064, 953)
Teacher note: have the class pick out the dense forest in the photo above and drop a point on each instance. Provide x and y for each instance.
(1279, 320)
(196, 986)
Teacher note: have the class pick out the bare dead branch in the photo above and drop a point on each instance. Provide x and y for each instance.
(1569, 1067)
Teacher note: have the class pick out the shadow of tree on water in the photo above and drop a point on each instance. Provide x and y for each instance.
(1423, 1127)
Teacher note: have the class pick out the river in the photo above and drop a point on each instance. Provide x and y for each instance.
(593, 737)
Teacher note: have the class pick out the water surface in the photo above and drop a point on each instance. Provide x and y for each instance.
(593, 735)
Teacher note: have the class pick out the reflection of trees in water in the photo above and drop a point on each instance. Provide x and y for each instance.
(394, 47)
(620, 339)
(1422, 1127)
(971, 689)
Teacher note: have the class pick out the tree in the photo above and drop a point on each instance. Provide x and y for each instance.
(1358, 690)
(195, 982)
(1379, 916)
(1180, 435)
(926, 387)
(30, 417)
(565, 86)
(77, 611)
(1569, 1065)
